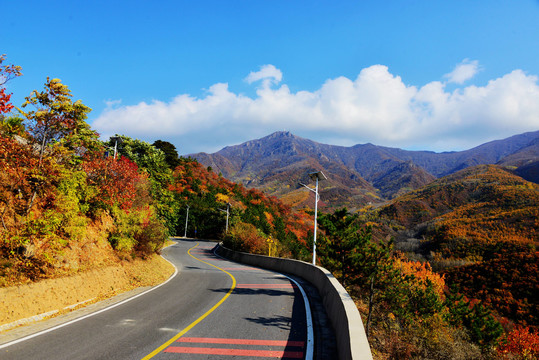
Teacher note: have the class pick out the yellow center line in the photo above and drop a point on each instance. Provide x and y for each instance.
(181, 333)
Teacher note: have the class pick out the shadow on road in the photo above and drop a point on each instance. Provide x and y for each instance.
(243, 291)
(282, 322)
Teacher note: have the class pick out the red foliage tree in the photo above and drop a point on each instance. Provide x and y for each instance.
(5, 106)
(522, 343)
(7, 72)
(115, 180)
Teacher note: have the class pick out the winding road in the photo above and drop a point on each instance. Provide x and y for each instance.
(212, 309)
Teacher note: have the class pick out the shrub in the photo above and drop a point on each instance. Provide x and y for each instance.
(246, 237)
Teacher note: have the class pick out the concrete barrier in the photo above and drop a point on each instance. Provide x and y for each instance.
(351, 338)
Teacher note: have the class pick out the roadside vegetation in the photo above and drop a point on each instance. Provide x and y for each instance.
(70, 202)
(448, 271)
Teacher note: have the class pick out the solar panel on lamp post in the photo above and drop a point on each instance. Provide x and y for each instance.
(316, 176)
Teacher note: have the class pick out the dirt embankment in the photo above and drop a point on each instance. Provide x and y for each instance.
(56, 296)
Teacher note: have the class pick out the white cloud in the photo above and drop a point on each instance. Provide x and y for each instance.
(269, 74)
(463, 71)
(375, 107)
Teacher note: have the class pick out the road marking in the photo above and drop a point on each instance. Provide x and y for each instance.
(309, 354)
(279, 354)
(194, 323)
(284, 343)
(94, 313)
(308, 316)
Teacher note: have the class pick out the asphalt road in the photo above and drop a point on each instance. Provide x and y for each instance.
(213, 309)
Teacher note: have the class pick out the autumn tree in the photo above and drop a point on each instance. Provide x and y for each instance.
(56, 117)
(5, 105)
(152, 161)
(7, 73)
(522, 343)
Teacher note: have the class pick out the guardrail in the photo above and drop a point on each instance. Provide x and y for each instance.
(343, 314)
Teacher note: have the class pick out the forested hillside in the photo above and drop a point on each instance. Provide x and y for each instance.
(64, 205)
(478, 228)
(70, 202)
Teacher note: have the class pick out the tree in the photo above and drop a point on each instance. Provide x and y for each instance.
(522, 343)
(5, 105)
(339, 245)
(56, 117)
(171, 155)
(7, 73)
(349, 251)
(115, 181)
(11, 125)
(152, 161)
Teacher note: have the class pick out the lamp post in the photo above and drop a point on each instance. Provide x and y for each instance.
(116, 140)
(227, 213)
(317, 176)
(186, 219)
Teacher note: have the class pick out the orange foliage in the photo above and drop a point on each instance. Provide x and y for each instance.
(521, 342)
(269, 218)
(5, 105)
(421, 271)
(115, 179)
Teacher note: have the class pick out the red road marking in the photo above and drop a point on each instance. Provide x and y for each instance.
(235, 352)
(284, 343)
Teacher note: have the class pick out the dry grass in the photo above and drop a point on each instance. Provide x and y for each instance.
(23, 301)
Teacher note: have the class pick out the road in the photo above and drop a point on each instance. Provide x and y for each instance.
(213, 309)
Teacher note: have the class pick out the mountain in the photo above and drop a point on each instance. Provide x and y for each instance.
(357, 175)
(479, 227)
(278, 163)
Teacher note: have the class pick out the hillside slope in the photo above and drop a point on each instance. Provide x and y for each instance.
(359, 174)
(479, 226)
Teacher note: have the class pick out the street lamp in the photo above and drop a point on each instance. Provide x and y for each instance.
(227, 213)
(186, 219)
(116, 140)
(317, 176)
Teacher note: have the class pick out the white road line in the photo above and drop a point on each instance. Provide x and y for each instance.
(90, 315)
(309, 351)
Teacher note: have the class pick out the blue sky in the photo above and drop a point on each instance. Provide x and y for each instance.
(434, 75)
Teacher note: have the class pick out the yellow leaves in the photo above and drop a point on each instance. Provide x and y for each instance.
(269, 217)
(222, 198)
(422, 271)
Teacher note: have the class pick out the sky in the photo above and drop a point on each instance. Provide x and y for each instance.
(419, 75)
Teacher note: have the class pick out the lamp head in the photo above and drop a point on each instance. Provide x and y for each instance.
(318, 175)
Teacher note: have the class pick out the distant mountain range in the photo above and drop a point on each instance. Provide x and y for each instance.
(359, 174)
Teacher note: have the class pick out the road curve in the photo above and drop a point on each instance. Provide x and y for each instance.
(213, 309)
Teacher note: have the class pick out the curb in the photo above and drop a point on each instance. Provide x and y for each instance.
(344, 316)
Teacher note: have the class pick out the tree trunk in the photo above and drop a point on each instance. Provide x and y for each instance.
(371, 302)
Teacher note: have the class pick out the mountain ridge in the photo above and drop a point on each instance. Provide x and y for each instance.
(359, 174)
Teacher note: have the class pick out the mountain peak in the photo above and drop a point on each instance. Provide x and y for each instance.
(282, 134)
(359, 174)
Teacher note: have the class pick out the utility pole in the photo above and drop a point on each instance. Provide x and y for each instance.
(116, 140)
(317, 176)
(186, 219)
(227, 214)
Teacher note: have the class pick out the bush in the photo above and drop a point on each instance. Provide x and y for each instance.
(152, 236)
(246, 237)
